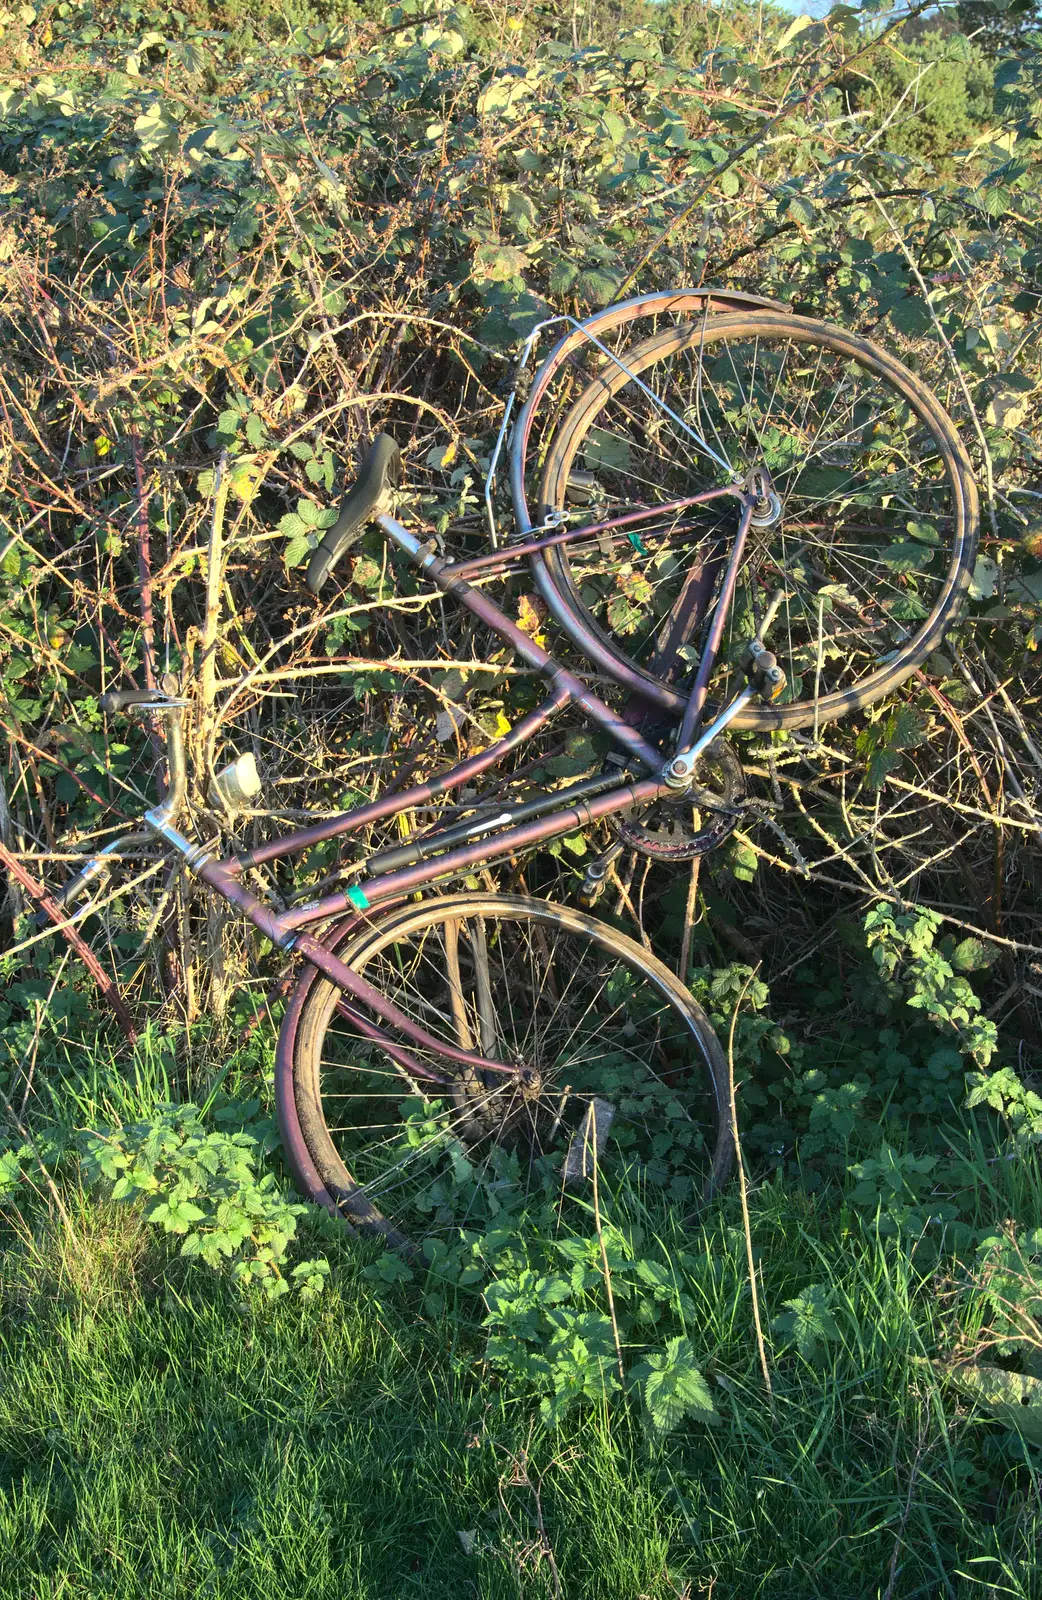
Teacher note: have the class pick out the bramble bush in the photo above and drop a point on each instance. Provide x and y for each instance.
(226, 234)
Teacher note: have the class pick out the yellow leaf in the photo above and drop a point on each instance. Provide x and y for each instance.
(796, 26)
(244, 479)
(1011, 1397)
(530, 613)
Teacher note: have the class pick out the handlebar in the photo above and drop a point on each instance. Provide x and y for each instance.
(364, 500)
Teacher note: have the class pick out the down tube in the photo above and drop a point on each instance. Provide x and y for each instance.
(352, 983)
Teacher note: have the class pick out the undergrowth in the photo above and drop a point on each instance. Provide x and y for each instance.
(233, 245)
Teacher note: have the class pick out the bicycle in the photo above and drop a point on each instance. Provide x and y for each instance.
(743, 519)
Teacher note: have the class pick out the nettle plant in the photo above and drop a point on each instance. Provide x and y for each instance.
(594, 1316)
(204, 1186)
(573, 1334)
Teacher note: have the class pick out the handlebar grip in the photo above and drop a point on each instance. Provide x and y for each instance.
(381, 469)
(119, 699)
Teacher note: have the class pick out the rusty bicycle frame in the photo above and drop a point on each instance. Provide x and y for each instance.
(450, 850)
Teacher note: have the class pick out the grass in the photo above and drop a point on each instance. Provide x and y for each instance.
(162, 1435)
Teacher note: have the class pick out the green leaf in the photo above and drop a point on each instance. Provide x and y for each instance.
(985, 578)
(906, 728)
(562, 275)
(520, 210)
(292, 526)
(10, 1172)
(310, 1277)
(796, 27)
(823, 483)
(310, 514)
(801, 210)
(390, 1268)
(503, 97)
(156, 129)
(809, 1320)
(243, 228)
(911, 315)
(674, 1388)
(256, 433)
(604, 449)
(614, 126)
(598, 285)
(498, 263)
(906, 556)
(973, 955)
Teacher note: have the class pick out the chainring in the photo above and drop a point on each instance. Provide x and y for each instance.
(699, 818)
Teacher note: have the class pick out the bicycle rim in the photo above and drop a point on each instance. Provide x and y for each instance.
(608, 1031)
(867, 564)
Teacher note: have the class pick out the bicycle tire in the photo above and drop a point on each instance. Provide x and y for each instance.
(951, 487)
(337, 1164)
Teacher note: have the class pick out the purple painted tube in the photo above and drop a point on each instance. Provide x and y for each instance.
(391, 804)
(393, 885)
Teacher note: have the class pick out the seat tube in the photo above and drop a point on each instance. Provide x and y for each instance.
(697, 698)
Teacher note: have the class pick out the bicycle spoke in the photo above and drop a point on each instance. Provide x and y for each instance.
(538, 992)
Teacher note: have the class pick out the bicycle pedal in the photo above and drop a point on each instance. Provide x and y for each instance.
(596, 875)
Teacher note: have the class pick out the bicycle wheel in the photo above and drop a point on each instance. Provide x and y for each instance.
(865, 566)
(619, 1056)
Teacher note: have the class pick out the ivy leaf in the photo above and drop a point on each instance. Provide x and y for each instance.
(674, 1388)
